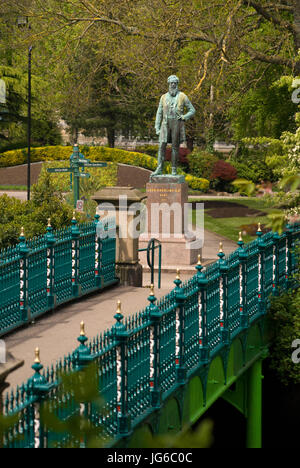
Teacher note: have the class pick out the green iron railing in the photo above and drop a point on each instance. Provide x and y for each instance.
(144, 358)
(39, 274)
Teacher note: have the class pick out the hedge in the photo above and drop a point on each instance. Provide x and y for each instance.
(95, 153)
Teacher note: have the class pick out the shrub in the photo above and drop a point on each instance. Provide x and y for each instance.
(224, 171)
(256, 162)
(197, 183)
(222, 174)
(256, 171)
(201, 163)
(33, 215)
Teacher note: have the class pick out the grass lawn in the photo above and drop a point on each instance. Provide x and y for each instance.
(230, 227)
(14, 188)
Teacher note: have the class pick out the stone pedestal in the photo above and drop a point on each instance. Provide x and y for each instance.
(167, 221)
(123, 203)
(165, 208)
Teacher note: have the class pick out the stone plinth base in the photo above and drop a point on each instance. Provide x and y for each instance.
(175, 251)
(130, 274)
(165, 206)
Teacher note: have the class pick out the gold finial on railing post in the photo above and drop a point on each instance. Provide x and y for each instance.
(118, 311)
(82, 329)
(49, 222)
(241, 243)
(178, 274)
(221, 247)
(259, 227)
(22, 232)
(199, 260)
(74, 215)
(37, 356)
(152, 290)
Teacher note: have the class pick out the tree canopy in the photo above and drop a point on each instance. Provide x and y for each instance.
(105, 60)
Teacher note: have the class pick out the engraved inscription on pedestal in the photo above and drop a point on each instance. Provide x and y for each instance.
(166, 208)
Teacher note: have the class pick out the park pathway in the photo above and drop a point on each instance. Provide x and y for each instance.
(20, 194)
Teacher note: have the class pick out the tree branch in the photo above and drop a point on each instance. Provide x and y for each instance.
(275, 60)
(269, 17)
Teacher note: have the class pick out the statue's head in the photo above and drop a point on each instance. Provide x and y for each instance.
(173, 84)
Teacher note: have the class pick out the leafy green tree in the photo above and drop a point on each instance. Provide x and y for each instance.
(221, 51)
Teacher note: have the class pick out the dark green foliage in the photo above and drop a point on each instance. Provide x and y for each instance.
(265, 110)
(256, 171)
(251, 163)
(11, 112)
(45, 132)
(201, 163)
(284, 316)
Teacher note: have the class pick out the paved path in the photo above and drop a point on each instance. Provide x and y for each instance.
(212, 244)
(17, 194)
(56, 333)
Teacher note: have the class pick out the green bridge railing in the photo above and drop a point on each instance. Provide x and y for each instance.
(47, 271)
(143, 359)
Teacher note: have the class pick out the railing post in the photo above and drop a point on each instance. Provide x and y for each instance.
(75, 257)
(82, 355)
(24, 251)
(243, 272)
(38, 388)
(155, 316)
(223, 268)
(121, 335)
(97, 254)
(180, 331)
(81, 358)
(261, 272)
(202, 311)
(289, 257)
(50, 266)
(276, 239)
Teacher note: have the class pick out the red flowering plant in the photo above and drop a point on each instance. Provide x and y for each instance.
(223, 173)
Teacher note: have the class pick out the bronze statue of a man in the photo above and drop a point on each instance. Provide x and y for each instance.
(169, 124)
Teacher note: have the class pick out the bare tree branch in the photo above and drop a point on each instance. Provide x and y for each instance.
(268, 16)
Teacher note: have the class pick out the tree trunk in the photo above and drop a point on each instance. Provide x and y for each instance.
(111, 136)
(75, 135)
(190, 143)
